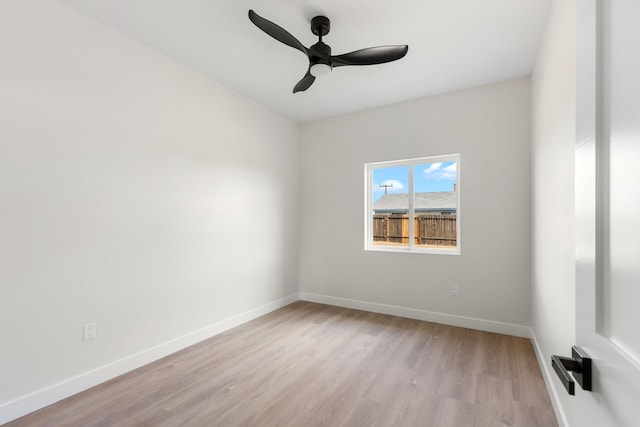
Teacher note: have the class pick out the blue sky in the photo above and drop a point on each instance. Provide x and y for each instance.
(428, 177)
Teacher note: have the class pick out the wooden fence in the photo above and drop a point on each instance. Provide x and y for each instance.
(432, 230)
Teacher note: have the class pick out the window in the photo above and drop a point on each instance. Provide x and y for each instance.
(413, 205)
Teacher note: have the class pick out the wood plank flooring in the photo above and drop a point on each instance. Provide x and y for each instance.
(315, 365)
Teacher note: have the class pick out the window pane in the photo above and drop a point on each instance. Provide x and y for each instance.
(390, 201)
(436, 205)
(413, 205)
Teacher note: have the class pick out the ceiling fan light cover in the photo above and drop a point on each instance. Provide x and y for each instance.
(319, 70)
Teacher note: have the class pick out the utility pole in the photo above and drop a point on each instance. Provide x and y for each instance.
(385, 186)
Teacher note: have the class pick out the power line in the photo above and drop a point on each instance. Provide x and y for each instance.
(385, 186)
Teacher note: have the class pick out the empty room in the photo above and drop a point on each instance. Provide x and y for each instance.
(319, 213)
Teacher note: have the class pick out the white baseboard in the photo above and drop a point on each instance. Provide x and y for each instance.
(548, 381)
(39, 399)
(430, 316)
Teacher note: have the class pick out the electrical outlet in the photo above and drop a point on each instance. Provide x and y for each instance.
(455, 290)
(89, 331)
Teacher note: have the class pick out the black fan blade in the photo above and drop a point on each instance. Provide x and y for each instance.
(276, 32)
(304, 84)
(370, 55)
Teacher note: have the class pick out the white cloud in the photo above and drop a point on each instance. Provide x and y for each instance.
(452, 168)
(436, 171)
(433, 167)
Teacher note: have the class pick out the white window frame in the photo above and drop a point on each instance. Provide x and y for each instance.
(368, 205)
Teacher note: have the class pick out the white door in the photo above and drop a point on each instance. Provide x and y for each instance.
(608, 210)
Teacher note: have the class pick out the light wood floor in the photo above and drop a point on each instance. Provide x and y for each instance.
(316, 365)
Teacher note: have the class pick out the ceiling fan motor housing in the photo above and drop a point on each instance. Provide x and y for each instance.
(320, 53)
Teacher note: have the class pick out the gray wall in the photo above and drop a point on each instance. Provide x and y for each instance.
(489, 127)
(128, 191)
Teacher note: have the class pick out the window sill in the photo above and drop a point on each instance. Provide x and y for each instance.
(432, 251)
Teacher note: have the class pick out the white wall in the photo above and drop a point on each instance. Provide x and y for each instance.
(553, 141)
(133, 193)
(490, 127)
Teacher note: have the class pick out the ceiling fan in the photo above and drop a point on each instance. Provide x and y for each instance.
(321, 62)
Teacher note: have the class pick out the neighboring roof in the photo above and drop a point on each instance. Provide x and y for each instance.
(441, 200)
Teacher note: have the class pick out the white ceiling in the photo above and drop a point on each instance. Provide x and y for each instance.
(453, 44)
